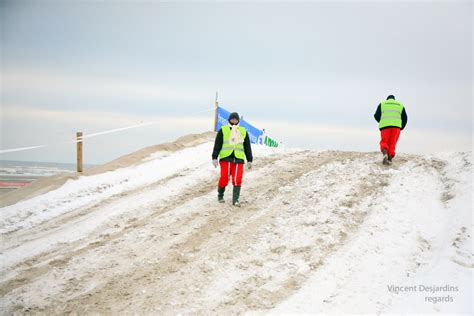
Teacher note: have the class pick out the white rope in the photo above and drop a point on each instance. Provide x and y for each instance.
(111, 131)
(20, 149)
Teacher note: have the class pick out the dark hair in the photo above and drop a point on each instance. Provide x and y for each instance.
(391, 97)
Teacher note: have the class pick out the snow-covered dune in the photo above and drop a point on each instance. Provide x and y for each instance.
(324, 231)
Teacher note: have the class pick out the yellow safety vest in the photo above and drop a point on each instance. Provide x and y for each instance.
(227, 148)
(391, 113)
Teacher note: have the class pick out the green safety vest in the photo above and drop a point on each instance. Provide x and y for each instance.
(227, 148)
(391, 113)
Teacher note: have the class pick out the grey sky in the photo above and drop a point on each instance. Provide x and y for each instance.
(310, 73)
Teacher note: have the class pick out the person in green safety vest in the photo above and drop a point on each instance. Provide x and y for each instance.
(392, 118)
(232, 146)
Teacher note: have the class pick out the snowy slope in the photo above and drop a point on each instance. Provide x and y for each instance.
(318, 232)
(417, 235)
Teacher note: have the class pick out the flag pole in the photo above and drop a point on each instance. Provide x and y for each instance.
(216, 105)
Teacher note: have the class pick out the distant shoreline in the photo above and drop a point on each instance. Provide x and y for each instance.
(64, 165)
(16, 174)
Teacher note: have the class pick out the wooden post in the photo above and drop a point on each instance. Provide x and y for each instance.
(216, 104)
(79, 151)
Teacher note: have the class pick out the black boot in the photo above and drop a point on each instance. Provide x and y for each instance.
(389, 161)
(385, 157)
(220, 194)
(235, 196)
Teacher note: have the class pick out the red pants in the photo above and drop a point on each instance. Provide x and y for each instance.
(389, 139)
(234, 170)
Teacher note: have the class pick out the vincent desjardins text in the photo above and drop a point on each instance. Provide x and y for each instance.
(434, 294)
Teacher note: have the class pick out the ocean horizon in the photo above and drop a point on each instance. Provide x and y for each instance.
(18, 173)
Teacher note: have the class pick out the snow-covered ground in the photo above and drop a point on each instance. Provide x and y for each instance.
(318, 232)
(413, 253)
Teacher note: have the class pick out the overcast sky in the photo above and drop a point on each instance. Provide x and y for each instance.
(310, 73)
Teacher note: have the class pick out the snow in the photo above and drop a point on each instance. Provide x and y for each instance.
(318, 232)
(406, 242)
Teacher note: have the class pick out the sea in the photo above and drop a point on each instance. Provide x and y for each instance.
(15, 174)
